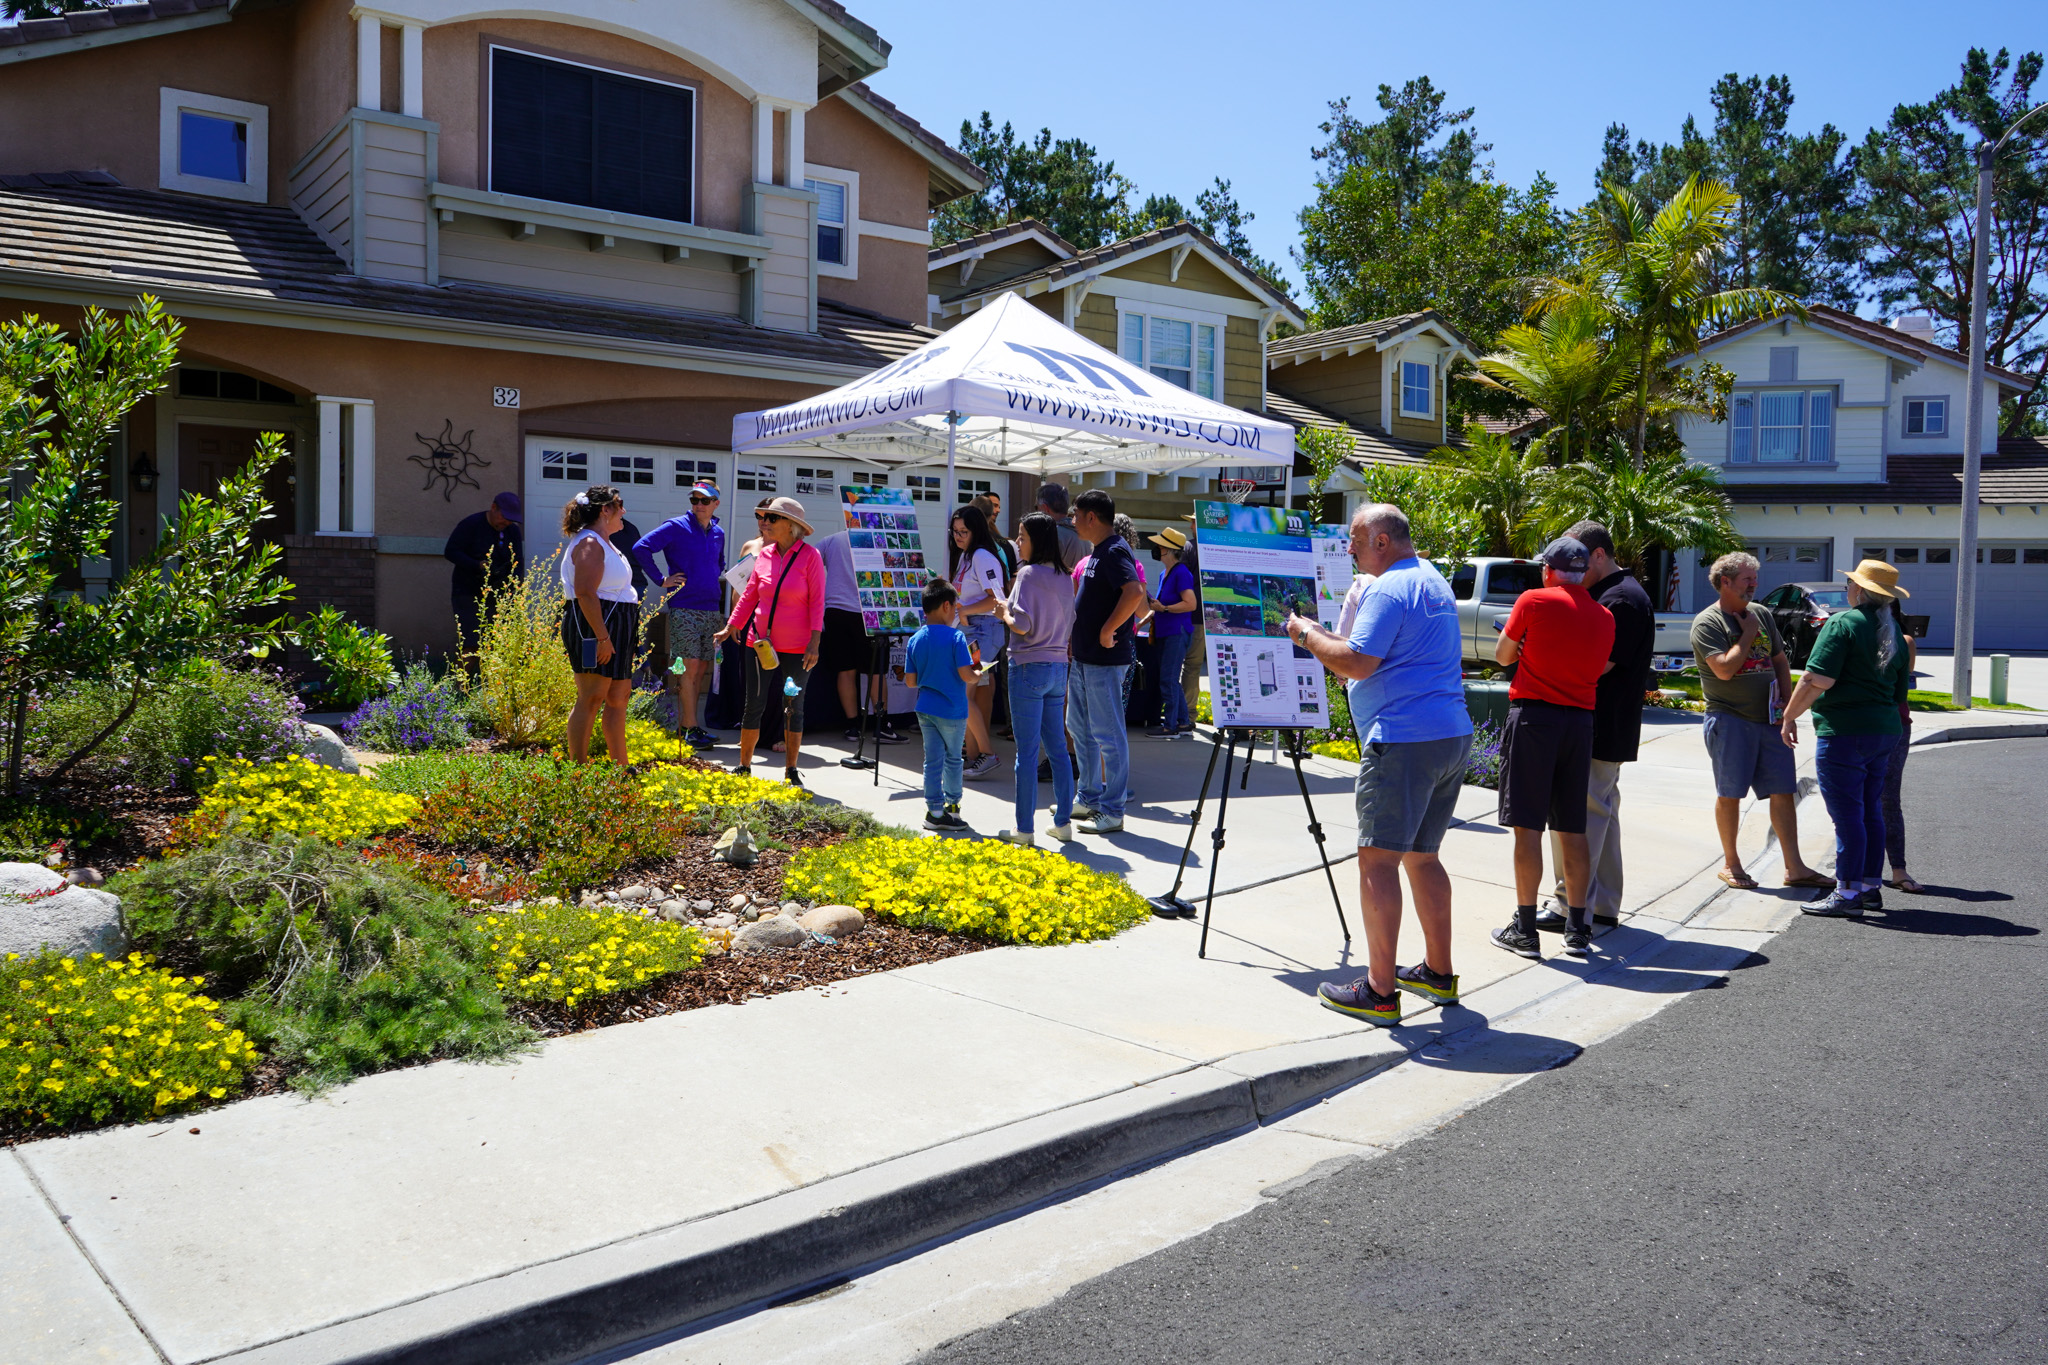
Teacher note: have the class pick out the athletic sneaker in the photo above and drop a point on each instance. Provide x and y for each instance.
(1578, 943)
(979, 768)
(1104, 824)
(1021, 838)
(1082, 812)
(1515, 941)
(853, 735)
(888, 735)
(1834, 905)
(1432, 986)
(1361, 1001)
(1870, 900)
(944, 821)
(1160, 732)
(790, 776)
(700, 738)
(1063, 833)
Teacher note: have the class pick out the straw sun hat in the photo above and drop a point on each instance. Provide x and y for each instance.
(794, 510)
(1877, 576)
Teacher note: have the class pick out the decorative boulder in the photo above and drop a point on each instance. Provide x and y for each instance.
(835, 921)
(776, 931)
(736, 846)
(323, 746)
(673, 909)
(39, 909)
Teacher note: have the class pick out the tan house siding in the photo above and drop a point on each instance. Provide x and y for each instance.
(1244, 363)
(1417, 429)
(1196, 274)
(784, 282)
(998, 265)
(322, 192)
(1348, 386)
(1096, 320)
(561, 262)
(396, 165)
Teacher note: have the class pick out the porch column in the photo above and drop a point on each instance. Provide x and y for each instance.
(795, 175)
(764, 143)
(329, 468)
(412, 79)
(347, 467)
(369, 62)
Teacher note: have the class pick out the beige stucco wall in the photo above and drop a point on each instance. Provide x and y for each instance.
(894, 188)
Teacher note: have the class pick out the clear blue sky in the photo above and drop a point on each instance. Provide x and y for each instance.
(1179, 93)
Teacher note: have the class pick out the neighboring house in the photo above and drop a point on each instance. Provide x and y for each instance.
(450, 251)
(1845, 442)
(1170, 300)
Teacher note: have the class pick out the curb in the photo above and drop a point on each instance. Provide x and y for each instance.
(2017, 730)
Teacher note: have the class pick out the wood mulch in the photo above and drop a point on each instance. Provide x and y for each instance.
(142, 820)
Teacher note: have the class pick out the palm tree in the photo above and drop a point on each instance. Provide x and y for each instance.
(1652, 273)
(1664, 502)
(1561, 364)
(1501, 486)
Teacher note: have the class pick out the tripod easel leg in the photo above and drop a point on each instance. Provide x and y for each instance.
(1171, 904)
(1216, 837)
(1315, 827)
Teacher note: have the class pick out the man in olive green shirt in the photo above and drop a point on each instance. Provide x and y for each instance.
(1741, 659)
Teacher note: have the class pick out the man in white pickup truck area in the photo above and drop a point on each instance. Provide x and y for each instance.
(1742, 660)
(1617, 728)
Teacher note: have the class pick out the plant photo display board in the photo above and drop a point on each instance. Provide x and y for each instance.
(888, 557)
(1257, 565)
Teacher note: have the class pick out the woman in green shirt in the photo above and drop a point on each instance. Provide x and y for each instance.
(1854, 681)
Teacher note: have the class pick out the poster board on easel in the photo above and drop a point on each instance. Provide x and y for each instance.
(1257, 565)
(889, 571)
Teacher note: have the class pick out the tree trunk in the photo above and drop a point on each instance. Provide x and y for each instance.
(1642, 406)
(134, 700)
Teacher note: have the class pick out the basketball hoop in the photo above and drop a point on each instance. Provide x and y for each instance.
(1237, 490)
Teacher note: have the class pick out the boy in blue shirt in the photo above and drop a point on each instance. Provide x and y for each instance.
(938, 665)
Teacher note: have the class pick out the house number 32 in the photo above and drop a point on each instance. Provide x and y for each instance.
(505, 398)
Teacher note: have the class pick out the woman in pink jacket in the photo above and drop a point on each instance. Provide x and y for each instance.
(780, 612)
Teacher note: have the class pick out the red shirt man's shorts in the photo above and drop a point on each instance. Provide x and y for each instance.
(1566, 638)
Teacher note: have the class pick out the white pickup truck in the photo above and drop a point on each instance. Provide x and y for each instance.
(1486, 590)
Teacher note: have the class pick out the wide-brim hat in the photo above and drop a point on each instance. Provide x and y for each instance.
(791, 508)
(1170, 539)
(1878, 576)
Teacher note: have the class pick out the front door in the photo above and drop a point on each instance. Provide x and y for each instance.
(208, 454)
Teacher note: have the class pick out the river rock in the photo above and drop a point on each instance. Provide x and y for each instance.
(722, 922)
(85, 876)
(633, 895)
(739, 902)
(701, 907)
(39, 909)
(750, 913)
(325, 747)
(673, 909)
(776, 931)
(837, 921)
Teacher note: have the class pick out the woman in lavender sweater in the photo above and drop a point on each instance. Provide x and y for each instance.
(1040, 614)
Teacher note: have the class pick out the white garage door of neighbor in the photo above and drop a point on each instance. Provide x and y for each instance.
(2012, 590)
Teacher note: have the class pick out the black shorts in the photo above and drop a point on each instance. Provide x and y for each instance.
(622, 623)
(845, 647)
(1547, 759)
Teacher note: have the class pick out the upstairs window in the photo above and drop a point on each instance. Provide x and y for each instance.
(1178, 350)
(578, 135)
(831, 220)
(1416, 389)
(212, 145)
(1927, 416)
(1782, 426)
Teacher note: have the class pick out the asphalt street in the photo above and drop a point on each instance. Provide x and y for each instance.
(1839, 1155)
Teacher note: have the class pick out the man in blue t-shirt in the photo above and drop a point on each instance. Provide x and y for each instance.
(937, 664)
(1407, 693)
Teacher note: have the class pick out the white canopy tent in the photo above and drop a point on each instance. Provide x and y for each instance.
(1010, 388)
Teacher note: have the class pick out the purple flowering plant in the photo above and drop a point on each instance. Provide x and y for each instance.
(417, 714)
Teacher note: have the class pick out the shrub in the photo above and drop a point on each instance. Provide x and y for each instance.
(354, 661)
(654, 707)
(207, 708)
(339, 965)
(524, 683)
(466, 879)
(579, 822)
(30, 826)
(566, 954)
(294, 796)
(419, 713)
(97, 1041)
(987, 889)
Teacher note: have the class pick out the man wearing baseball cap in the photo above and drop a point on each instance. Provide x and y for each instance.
(1559, 640)
(694, 545)
(486, 550)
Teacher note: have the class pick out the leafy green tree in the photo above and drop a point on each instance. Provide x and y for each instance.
(1325, 449)
(1061, 182)
(1401, 143)
(195, 595)
(1218, 213)
(1562, 365)
(1503, 487)
(1665, 502)
(1792, 229)
(1443, 528)
(1917, 228)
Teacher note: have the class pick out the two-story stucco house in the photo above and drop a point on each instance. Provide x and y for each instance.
(451, 249)
(1845, 441)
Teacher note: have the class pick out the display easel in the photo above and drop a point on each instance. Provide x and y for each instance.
(869, 720)
(1171, 905)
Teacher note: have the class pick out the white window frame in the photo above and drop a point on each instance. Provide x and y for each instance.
(850, 269)
(1401, 371)
(256, 117)
(1142, 308)
(1906, 407)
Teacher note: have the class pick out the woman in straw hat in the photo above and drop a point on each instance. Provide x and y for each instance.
(1174, 612)
(1855, 678)
(780, 617)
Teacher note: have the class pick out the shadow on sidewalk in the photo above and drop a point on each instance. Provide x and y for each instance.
(1957, 893)
(1948, 923)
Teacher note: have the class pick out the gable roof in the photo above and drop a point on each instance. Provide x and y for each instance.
(2016, 475)
(1377, 335)
(1093, 260)
(1023, 230)
(85, 28)
(1874, 335)
(952, 174)
(89, 239)
(1367, 447)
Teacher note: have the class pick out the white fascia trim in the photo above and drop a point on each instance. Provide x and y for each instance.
(1172, 301)
(1179, 313)
(981, 249)
(1238, 275)
(1433, 329)
(256, 189)
(1750, 332)
(36, 287)
(850, 270)
(890, 232)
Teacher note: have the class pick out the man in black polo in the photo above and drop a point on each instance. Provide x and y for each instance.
(485, 549)
(1617, 726)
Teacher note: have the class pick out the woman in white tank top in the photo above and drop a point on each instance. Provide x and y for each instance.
(600, 619)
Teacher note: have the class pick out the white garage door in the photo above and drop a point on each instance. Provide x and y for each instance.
(655, 480)
(2012, 590)
(1778, 562)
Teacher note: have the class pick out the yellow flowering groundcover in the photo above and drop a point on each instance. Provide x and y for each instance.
(988, 889)
(646, 742)
(292, 796)
(672, 787)
(567, 954)
(104, 1040)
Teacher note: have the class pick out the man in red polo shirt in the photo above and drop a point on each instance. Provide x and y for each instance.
(1559, 638)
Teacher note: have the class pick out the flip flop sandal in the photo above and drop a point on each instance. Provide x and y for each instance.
(1907, 885)
(1812, 879)
(1740, 883)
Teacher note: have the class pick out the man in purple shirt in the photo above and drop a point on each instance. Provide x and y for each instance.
(695, 548)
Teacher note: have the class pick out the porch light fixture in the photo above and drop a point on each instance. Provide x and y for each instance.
(142, 473)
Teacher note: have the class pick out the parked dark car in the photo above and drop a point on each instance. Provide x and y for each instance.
(1801, 610)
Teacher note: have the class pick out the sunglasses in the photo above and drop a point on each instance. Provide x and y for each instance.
(770, 517)
(702, 502)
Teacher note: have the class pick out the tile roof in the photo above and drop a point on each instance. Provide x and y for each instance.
(2017, 474)
(974, 175)
(101, 234)
(996, 236)
(1367, 447)
(1359, 333)
(1878, 335)
(1097, 257)
(85, 22)
(1521, 424)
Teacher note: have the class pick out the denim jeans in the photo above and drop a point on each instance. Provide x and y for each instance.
(1038, 705)
(942, 740)
(1173, 703)
(1095, 707)
(1851, 769)
(1894, 817)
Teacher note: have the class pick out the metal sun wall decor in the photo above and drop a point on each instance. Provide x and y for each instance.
(448, 460)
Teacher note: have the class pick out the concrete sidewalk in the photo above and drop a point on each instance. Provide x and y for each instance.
(623, 1182)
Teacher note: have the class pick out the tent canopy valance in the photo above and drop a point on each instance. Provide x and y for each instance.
(1012, 388)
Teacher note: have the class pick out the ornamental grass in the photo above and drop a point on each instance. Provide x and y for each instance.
(566, 954)
(103, 1040)
(290, 796)
(982, 888)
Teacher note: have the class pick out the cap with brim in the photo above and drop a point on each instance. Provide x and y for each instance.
(509, 507)
(1878, 576)
(791, 508)
(1566, 555)
(1169, 539)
